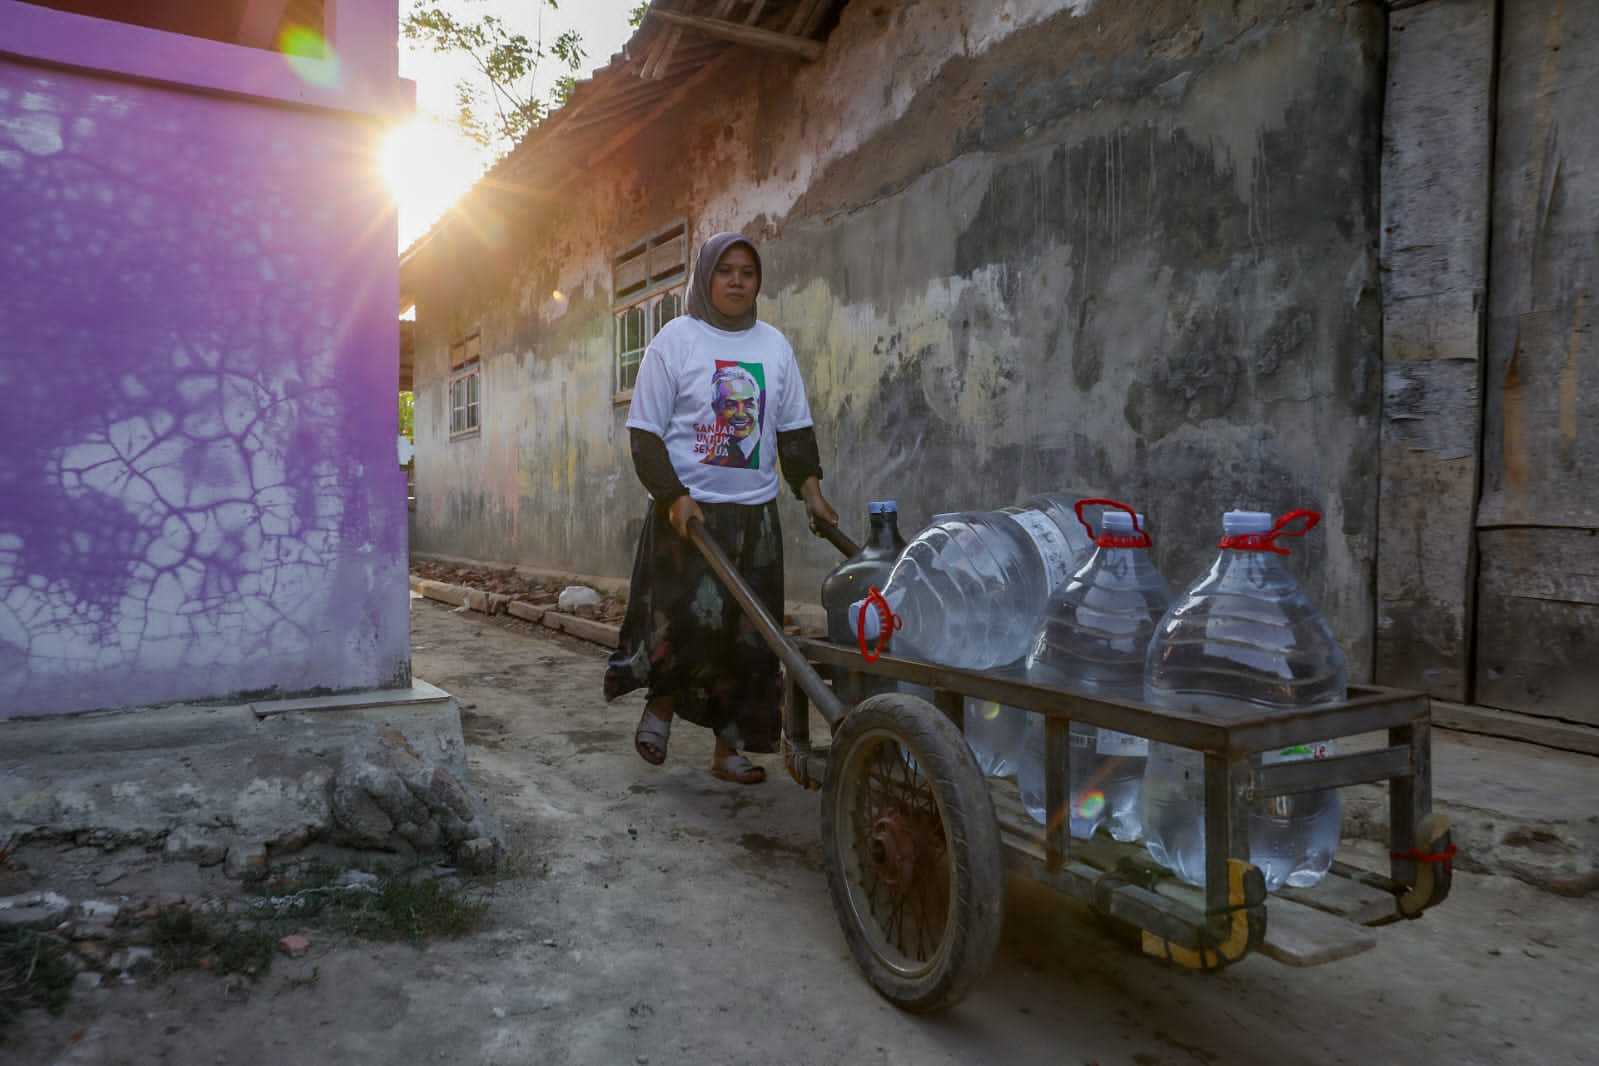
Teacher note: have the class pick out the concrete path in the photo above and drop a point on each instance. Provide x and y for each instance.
(660, 916)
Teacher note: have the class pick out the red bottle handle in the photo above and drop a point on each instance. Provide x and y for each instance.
(1267, 541)
(890, 620)
(1136, 539)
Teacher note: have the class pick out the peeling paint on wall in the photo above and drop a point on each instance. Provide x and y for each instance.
(1130, 249)
(199, 496)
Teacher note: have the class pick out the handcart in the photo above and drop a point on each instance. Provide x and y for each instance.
(918, 842)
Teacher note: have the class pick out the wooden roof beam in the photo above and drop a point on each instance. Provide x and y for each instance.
(738, 33)
(660, 64)
(678, 94)
(807, 13)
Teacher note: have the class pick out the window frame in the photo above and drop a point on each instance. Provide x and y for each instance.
(466, 373)
(648, 307)
(661, 280)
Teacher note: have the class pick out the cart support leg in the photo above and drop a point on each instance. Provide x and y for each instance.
(1409, 798)
(796, 714)
(799, 759)
(1057, 824)
(1218, 832)
(1227, 801)
(953, 704)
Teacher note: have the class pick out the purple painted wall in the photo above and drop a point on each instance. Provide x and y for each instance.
(199, 492)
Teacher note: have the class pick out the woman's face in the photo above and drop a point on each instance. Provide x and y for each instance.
(735, 282)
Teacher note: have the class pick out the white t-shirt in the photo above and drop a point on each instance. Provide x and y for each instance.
(719, 400)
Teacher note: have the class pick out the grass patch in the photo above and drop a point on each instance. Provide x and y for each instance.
(34, 972)
(37, 970)
(185, 940)
(410, 910)
(397, 908)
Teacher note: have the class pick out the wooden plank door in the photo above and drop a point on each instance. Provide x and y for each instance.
(1537, 610)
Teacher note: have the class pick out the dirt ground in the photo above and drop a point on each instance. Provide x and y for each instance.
(661, 916)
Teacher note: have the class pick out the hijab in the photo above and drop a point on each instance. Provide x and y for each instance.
(699, 285)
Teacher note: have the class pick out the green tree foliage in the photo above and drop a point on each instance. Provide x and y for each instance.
(635, 18)
(497, 108)
(408, 415)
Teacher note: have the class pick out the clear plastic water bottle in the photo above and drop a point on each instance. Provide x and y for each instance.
(868, 568)
(994, 732)
(970, 589)
(1094, 639)
(1244, 634)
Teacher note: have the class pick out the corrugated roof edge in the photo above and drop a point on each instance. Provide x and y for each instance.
(633, 54)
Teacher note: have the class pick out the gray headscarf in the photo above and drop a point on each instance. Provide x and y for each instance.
(699, 283)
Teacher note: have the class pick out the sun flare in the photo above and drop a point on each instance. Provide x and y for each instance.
(427, 164)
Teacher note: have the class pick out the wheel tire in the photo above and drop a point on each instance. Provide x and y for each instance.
(931, 844)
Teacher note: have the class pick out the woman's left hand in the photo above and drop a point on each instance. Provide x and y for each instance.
(816, 504)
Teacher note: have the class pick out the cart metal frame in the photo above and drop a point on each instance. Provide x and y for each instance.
(1201, 930)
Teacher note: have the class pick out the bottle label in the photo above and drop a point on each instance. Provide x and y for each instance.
(1051, 544)
(1298, 753)
(1125, 745)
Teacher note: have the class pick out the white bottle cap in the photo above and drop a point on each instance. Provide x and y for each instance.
(1120, 522)
(1246, 522)
(874, 621)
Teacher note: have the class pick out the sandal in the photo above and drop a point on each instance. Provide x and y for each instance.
(738, 769)
(651, 737)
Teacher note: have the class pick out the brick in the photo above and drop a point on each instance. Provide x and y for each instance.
(583, 629)
(454, 595)
(295, 945)
(526, 611)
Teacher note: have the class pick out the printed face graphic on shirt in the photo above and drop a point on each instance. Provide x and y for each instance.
(738, 400)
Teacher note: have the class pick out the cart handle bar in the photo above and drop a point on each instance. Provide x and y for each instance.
(798, 668)
(835, 536)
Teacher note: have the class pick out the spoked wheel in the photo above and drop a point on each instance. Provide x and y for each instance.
(913, 860)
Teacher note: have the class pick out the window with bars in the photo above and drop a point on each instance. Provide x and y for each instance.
(466, 383)
(647, 281)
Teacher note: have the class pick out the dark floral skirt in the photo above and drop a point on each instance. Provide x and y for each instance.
(687, 639)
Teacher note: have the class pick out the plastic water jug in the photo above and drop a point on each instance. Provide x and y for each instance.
(970, 589)
(995, 733)
(1095, 636)
(868, 568)
(1242, 638)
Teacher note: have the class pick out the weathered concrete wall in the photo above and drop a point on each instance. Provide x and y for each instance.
(1117, 247)
(199, 495)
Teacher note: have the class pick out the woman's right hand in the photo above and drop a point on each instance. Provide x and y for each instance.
(683, 508)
